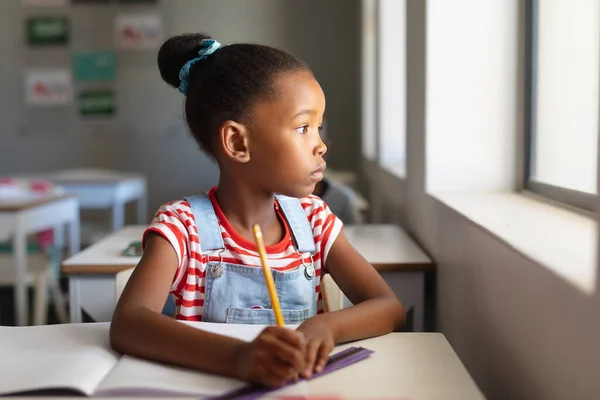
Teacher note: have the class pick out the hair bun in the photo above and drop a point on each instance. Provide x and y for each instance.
(175, 52)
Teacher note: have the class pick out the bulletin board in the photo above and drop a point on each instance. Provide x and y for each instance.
(71, 53)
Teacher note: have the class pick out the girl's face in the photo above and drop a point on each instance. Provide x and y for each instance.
(286, 150)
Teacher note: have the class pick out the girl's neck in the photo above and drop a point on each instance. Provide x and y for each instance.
(245, 206)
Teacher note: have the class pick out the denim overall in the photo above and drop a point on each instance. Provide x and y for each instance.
(238, 294)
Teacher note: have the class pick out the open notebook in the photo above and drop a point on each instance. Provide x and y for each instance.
(77, 358)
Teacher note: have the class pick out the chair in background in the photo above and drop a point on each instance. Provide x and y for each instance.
(333, 298)
(121, 279)
(43, 259)
(42, 277)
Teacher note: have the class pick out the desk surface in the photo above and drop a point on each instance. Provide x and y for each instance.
(387, 247)
(106, 256)
(85, 176)
(405, 366)
(92, 176)
(15, 204)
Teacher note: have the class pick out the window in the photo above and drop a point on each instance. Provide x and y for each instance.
(392, 85)
(384, 83)
(369, 79)
(563, 98)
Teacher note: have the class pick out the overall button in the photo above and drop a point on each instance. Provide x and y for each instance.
(217, 270)
(309, 272)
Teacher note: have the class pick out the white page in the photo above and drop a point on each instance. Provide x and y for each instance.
(133, 376)
(68, 356)
(246, 333)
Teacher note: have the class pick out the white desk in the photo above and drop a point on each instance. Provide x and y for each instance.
(388, 248)
(405, 366)
(349, 179)
(99, 189)
(399, 260)
(36, 213)
(92, 274)
(411, 366)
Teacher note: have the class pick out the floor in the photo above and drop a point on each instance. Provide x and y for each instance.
(7, 309)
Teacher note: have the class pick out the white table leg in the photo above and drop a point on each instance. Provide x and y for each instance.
(118, 216)
(74, 236)
(142, 209)
(59, 238)
(98, 296)
(419, 302)
(20, 266)
(410, 289)
(75, 300)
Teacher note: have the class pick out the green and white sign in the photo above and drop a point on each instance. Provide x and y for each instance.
(98, 66)
(47, 31)
(44, 3)
(96, 102)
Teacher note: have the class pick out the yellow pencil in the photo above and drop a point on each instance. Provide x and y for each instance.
(267, 273)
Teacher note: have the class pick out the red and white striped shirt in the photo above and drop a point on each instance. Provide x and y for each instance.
(174, 221)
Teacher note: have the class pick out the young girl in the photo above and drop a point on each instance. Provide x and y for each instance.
(257, 111)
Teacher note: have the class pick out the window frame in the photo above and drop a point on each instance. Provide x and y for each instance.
(370, 134)
(386, 138)
(574, 198)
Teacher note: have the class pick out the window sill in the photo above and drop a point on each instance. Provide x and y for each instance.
(562, 241)
(396, 169)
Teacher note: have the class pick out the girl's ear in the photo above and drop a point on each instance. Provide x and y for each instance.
(234, 141)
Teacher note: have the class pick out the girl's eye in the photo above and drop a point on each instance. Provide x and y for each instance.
(302, 129)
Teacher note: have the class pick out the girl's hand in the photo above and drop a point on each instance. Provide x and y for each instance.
(320, 341)
(274, 357)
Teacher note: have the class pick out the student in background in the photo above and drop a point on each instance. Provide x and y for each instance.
(257, 111)
(341, 199)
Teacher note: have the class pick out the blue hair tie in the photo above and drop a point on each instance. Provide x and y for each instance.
(209, 46)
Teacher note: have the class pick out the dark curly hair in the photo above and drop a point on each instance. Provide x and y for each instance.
(226, 84)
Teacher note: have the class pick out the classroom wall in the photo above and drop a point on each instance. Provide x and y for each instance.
(521, 331)
(148, 135)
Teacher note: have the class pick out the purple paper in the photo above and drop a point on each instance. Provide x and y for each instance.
(337, 361)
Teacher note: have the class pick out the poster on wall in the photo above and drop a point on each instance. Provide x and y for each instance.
(47, 31)
(94, 66)
(96, 103)
(48, 87)
(138, 31)
(44, 3)
(137, 1)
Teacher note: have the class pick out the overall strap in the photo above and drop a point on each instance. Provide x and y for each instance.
(298, 221)
(209, 232)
